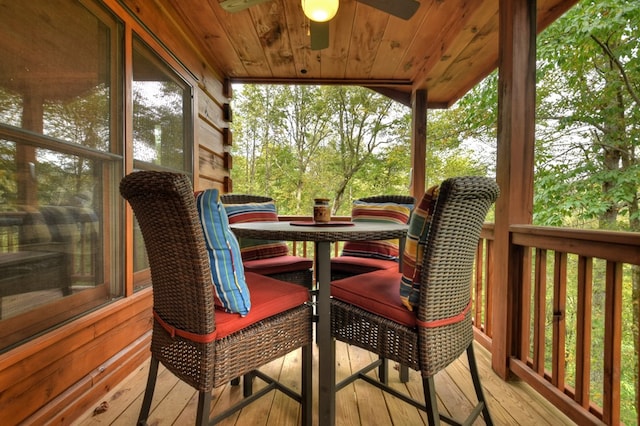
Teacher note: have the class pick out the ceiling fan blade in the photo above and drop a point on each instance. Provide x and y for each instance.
(401, 8)
(319, 32)
(238, 5)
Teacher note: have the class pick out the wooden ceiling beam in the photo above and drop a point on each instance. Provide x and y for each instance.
(446, 47)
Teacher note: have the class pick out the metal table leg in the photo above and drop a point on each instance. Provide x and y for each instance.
(326, 355)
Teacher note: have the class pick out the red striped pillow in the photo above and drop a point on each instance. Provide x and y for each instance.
(376, 212)
(250, 248)
(414, 248)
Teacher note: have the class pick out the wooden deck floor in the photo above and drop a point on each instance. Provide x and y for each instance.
(512, 403)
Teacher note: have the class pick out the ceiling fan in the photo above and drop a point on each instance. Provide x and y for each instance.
(319, 25)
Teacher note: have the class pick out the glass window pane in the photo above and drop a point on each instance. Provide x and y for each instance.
(159, 111)
(55, 66)
(53, 228)
(59, 213)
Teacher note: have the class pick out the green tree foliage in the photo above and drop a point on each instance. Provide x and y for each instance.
(254, 125)
(296, 143)
(590, 95)
(364, 124)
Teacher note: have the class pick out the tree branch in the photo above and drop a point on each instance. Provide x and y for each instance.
(605, 48)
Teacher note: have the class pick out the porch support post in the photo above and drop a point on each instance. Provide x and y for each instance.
(514, 168)
(26, 161)
(418, 143)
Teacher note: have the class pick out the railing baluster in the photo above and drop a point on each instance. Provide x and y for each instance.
(559, 320)
(539, 312)
(488, 305)
(479, 322)
(612, 344)
(583, 326)
(524, 331)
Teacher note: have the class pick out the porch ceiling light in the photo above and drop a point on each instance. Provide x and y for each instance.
(320, 10)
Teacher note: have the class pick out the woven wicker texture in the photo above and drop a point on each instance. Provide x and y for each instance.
(165, 208)
(285, 231)
(397, 199)
(244, 198)
(459, 214)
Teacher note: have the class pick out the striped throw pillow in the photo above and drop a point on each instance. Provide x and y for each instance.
(253, 249)
(376, 212)
(414, 248)
(227, 271)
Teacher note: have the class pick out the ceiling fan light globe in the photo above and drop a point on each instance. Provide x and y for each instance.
(320, 10)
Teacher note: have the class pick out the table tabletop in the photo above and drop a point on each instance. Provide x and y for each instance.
(356, 231)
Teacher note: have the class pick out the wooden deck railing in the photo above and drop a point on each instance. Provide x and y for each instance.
(482, 285)
(81, 246)
(575, 290)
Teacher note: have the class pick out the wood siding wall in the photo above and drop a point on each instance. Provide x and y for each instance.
(56, 377)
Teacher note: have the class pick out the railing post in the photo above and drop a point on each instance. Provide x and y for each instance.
(514, 163)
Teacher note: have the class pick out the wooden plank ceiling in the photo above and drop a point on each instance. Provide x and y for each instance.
(447, 47)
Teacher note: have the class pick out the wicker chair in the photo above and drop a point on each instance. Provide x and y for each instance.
(297, 269)
(398, 199)
(197, 342)
(440, 328)
(348, 266)
(244, 198)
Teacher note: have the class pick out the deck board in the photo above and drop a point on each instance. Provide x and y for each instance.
(511, 403)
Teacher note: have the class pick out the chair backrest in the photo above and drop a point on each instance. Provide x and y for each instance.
(183, 297)
(244, 198)
(398, 199)
(445, 290)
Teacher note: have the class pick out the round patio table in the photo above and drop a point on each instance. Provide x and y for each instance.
(323, 235)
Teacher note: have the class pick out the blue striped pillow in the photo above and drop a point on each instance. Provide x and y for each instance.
(227, 272)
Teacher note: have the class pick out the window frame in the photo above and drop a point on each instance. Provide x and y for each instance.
(18, 329)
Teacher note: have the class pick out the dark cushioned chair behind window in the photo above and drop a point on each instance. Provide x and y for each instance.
(269, 258)
(198, 342)
(367, 311)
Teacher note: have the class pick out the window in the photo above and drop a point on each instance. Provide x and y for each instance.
(161, 127)
(62, 157)
(60, 163)
(161, 104)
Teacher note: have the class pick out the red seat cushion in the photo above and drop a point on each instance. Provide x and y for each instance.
(268, 297)
(376, 292)
(279, 264)
(361, 265)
